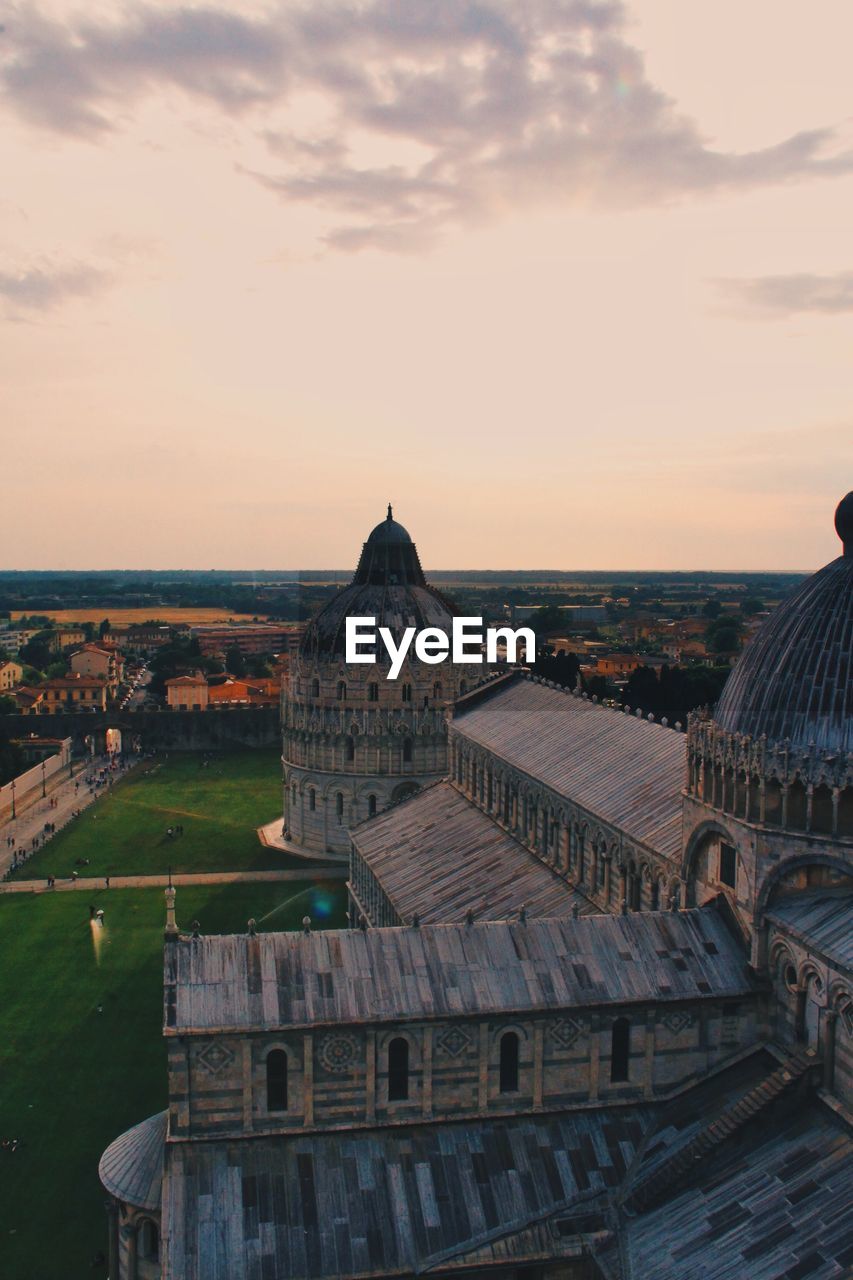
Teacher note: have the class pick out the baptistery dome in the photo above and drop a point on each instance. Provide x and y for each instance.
(388, 585)
(354, 741)
(794, 682)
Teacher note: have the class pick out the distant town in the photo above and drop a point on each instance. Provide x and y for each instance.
(93, 643)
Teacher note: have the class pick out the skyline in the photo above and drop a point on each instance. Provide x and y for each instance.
(569, 283)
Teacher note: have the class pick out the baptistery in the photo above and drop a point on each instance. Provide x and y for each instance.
(354, 741)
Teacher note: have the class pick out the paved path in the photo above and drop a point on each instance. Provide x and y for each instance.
(91, 883)
(72, 794)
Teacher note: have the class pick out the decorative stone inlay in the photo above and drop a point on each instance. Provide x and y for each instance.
(214, 1057)
(453, 1042)
(338, 1052)
(565, 1031)
(677, 1020)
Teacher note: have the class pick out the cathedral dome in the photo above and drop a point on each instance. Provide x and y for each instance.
(388, 585)
(795, 679)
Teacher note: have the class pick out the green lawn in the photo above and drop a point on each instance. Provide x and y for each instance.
(71, 1078)
(219, 804)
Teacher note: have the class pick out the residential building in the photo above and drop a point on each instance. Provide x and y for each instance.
(187, 693)
(11, 675)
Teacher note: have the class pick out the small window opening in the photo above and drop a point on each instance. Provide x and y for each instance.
(509, 1063)
(277, 1080)
(398, 1070)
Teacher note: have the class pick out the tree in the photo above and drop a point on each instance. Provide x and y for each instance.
(235, 663)
(257, 665)
(37, 652)
(104, 628)
(562, 668)
(751, 605)
(11, 760)
(7, 705)
(711, 609)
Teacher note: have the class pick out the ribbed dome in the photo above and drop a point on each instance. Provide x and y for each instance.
(388, 585)
(795, 679)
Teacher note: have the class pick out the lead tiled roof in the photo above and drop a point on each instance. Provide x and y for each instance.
(822, 920)
(625, 770)
(279, 980)
(131, 1168)
(795, 679)
(387, 1202)
(437, 854)
(776, 1208)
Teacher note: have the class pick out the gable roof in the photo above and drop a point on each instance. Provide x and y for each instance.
(279, 980)
(437, 854)
(620, 768)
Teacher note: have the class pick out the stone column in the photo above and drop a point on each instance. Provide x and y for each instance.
(308, 1079)
(830, 1028)
(607, 861)
(112, 1239)
(800, 1013)
(370, 1078)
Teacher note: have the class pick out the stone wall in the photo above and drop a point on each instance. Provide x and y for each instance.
(339, 1077)
(213, 730)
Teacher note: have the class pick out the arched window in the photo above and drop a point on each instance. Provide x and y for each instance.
(398, 1070)
(350, 748)
(342, 691)
(312, 799)
(407, 750)
(373, 693)
(148, 1240)
(315, 688)
(620, 1047)
(339, 807)
(276, 1080)
(509, 1063)
(371, 806)
(406, 692)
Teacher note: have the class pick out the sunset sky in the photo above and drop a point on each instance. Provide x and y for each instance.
(571, 283)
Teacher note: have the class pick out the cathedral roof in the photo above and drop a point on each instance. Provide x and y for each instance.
(795, 679)
(131, 1168)
(413, 1199)
(474, 865)
(280, 980)
(619, 767)
(388, 585)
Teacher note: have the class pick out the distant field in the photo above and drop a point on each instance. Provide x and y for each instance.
(74, 1078)
(220, 804)
(123, 617)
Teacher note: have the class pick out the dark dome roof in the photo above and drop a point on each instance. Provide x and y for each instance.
(795, 679)
(389, 530)
(388, 585)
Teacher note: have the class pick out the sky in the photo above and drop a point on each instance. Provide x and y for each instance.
(569, 282)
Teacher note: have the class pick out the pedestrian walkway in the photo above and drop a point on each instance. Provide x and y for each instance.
(91, 883)
(58, 808)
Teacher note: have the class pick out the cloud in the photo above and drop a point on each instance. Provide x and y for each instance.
(787, 295)
(474, 106)
(43, 288)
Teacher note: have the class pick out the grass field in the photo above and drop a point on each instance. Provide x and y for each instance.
(124, 617)
(72, 1078)
(219, 804)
